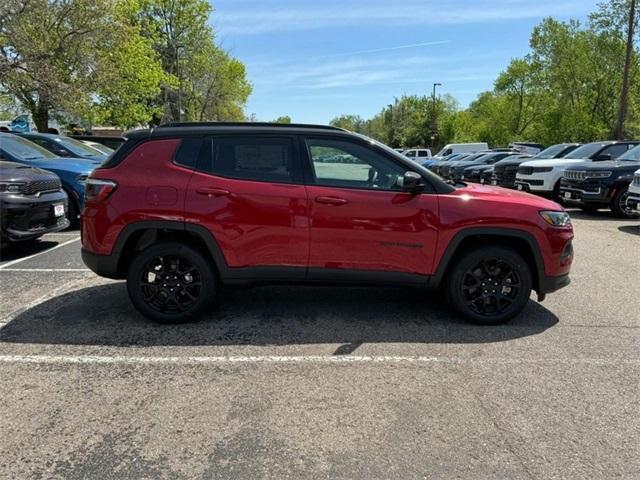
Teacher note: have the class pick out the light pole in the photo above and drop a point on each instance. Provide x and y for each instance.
(433, 120)
(179, 73)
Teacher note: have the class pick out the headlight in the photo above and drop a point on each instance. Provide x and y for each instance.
(82, 178)
(557, 219)
(542, 169)
(602, 174)
(11, 187)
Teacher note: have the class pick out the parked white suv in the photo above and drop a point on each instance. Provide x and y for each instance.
(543, 176)
(633, 200)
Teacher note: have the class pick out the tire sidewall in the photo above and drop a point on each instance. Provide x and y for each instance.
(615, 205)
(205, 269)
(467, 261)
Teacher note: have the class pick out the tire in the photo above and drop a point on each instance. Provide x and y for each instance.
(190, 284)
(619, 204)
(72, 212)
(555, 194)
(486, 267)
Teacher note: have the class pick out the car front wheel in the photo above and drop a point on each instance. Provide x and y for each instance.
(171, 283)
(619, 204)
(489, 285)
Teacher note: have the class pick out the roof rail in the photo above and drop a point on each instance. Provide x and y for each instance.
(247, 124)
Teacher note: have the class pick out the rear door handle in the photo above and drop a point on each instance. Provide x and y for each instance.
(212, 191)
(332, 200)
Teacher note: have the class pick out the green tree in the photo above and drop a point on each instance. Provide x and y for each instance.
(209, 84)
(79, 57)
(283, 119)
(353, 123)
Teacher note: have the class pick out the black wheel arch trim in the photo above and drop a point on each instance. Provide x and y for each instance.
(200, 231)
(452, 248)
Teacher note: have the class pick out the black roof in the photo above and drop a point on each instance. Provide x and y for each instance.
(186, 128)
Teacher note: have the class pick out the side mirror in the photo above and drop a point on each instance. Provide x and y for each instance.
(603, 157)
(61, 153)
(412, 182)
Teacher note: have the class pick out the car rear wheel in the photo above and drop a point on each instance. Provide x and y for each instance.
(171, 283)
(619, 204)
(489, 285)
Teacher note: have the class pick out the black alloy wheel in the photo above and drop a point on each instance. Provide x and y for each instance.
(170, 282)
(489, 285)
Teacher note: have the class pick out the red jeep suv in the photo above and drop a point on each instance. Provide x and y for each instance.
(183, 208)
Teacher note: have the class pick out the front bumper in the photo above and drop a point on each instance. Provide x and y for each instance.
(552, 284)
(534, 183)
(24, 218)
(633, 201)
(588, 192)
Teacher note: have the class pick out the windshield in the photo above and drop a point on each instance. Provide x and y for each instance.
(78, 148)
(22, 149)
(551, 152)
(585, 151)
(472, 157)
(102, 148)
(632, 155)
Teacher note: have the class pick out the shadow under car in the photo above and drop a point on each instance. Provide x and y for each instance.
(275, 315)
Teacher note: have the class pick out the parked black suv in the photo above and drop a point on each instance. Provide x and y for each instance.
(597, 185)
(504, 172)
(32, 203)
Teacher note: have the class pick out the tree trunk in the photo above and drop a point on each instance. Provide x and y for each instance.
(41, 117)
(624, 93)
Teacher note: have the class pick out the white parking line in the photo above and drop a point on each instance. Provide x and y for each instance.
(45, 270)
(306, 359)
(13, 262)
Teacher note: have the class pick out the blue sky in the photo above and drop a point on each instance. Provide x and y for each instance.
(316, 59)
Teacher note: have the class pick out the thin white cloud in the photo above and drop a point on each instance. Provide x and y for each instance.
(247, 18)
(386, 49)
(354, 72)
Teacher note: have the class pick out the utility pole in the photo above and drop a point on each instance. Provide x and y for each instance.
(434, 123)
(624, 93)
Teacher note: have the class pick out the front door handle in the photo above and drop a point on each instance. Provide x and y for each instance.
(212, 191)
(332, 200)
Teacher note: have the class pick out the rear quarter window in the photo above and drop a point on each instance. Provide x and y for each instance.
(188, 152)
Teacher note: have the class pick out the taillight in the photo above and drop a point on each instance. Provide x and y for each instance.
(96, 190)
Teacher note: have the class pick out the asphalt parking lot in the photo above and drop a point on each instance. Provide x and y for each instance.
(299, 382)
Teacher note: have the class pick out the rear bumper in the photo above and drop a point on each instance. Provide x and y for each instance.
(103, 265)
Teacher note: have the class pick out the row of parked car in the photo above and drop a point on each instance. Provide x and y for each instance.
(588, 176)
(42, 181)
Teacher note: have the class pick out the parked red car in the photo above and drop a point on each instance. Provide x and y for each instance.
(183, 208)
